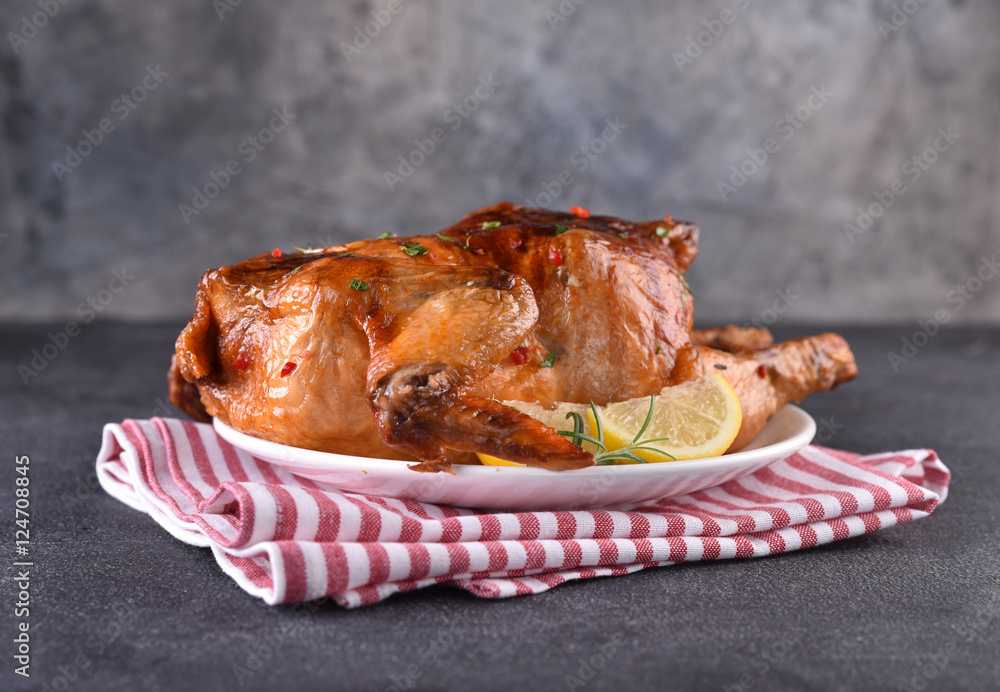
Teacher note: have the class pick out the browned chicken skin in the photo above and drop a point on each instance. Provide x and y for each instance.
(404, 347)
(733, 339)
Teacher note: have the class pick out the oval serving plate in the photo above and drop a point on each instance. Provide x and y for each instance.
(526, 488)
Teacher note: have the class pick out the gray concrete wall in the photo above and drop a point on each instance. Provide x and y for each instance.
(774, 240)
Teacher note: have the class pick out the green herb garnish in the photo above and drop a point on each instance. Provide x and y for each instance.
(549, 361)
(386, 235)
(414, 249)
(490, 224)
(720, 366)
(347, 254)
(662, 232)
(659, 347)
(684, 283)
(308, 249)
(561, 229)
(608, 457)
(444, 237)
(296, 269)
(623, 235)
(359, 285)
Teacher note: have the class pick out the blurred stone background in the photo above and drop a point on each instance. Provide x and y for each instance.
(693, 85)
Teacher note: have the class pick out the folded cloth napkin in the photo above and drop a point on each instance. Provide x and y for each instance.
(288, 539)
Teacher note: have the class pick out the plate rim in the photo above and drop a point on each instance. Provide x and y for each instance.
(322, 461)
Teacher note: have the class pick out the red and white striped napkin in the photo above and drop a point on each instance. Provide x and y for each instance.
(288, 539)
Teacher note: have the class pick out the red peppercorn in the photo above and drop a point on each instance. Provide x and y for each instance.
(556, 256)
(276, 253)
(241, 363)
(762, 372)
(288, 369)
(515, 243)
(520, 355)
(580, 211)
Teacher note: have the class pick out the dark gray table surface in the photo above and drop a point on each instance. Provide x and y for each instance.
(117, 603)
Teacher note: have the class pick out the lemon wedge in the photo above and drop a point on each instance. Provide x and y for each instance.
(700, 419)
(554, 418)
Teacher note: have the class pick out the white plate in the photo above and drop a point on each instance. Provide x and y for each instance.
(526, 488)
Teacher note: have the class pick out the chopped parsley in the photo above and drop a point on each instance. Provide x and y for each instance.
(347, 254)
(359, 285)
(561, 229)
(623, 235)
(662, 232)
(549, 361)
(296, 269)
(720, 366)
(659, 347)
(684, 283)
(414, 249)
(444, 237)
(387, 234)
(490, 224)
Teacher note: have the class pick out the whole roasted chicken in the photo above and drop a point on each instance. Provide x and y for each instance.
(405, 347)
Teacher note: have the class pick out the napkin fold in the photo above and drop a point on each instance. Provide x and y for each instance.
(288, 539)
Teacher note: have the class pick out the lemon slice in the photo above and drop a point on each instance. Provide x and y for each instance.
(700, 418)
(554, 418)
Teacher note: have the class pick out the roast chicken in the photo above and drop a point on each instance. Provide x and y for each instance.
(404, 348)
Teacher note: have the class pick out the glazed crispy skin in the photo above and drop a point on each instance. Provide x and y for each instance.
(414, 366)
(733, 339)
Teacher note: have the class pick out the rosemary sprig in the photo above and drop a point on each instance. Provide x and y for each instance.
(413, 249)
(607, 457)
